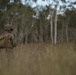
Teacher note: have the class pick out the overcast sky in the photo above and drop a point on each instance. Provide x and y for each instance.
(43, 3)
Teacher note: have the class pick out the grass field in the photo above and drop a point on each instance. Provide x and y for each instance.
(39, 59)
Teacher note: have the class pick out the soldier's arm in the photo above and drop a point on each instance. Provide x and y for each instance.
(12, 39)
(2, 37)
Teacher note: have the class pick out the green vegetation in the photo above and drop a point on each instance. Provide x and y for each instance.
(45, 38)
(40, 24)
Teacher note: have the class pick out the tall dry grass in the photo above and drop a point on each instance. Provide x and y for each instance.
(39, 59)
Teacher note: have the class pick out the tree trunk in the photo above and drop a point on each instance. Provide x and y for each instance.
(67, 37)
(55, 36)
(41, 33)
(51, 24)
(51, 31)
(55, 25)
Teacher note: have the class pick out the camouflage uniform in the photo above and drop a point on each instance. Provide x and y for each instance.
(7, 38)
(7, 41)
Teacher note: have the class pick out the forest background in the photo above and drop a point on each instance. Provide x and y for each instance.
(45, 21)
(45, 32)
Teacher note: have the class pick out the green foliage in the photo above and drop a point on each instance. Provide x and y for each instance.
(35, 0)
(3, 3)
(21, 17)
(63, 1)
(74, 3)
(70, 14)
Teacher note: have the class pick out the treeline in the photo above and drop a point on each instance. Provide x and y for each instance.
(39, 24)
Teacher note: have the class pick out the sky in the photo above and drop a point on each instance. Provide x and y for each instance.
(46, 2)
(43, 3)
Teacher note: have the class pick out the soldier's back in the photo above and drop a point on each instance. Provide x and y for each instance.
(2, 37)
(9, 40)
(6, 40)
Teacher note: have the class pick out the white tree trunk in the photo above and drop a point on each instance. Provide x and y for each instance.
(55, 35)
(51, 31)
(51, 24)
(55, 25)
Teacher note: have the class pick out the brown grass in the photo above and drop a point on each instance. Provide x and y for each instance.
(39, 59)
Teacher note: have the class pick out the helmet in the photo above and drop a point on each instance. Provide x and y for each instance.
(8, 27)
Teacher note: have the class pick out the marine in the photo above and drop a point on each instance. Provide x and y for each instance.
(7, 38)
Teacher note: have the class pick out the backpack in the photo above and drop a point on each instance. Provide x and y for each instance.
(2, 41)
(7, 40)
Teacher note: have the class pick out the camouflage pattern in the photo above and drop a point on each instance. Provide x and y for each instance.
(2, 40)
(7, 38)
(8, 27)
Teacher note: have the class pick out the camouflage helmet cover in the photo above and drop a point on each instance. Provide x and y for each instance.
(8, 27)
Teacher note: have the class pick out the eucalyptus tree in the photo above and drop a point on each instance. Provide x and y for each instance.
(71, 20)
(3, 8)
(37, 22)
(58, 6)
(20, 16)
